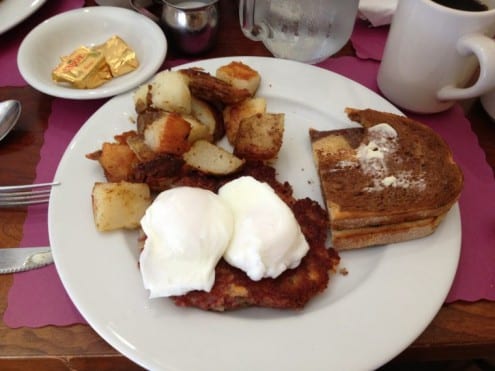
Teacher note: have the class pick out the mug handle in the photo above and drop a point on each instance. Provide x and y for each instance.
(484, 48)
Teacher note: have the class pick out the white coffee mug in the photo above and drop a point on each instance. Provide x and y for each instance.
(432, 54)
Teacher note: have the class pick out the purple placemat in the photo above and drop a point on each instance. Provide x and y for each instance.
(11, 39)
(475, 277)
(42, 288)
(369, 42)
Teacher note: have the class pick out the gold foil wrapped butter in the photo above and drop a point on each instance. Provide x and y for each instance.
(84, 69)
(87, 68)
(119, 56)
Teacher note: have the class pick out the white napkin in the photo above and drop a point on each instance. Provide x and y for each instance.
(377, 12)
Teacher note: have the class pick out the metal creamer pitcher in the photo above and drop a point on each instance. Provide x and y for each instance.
(192, 25)
(307, 31)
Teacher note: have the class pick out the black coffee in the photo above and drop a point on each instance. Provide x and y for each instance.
(467, 5)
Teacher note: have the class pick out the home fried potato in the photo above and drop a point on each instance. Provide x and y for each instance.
(211, 159)
(168, 134)
(240, 76)
(142, 98)
(198, 130)
(260, 136)
(234, 114)
(208, 115)
(211, 89)
(142, 151)
(117, 161)
(180, 115)
(170, 92)
(119, 205)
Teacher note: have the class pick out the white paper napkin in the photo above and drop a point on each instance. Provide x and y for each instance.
(377, 12)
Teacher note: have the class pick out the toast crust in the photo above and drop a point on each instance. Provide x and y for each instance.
(348, 239)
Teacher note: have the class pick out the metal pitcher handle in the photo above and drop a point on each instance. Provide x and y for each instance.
(141, 8)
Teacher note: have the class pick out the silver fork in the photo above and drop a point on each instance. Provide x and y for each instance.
(27, 194)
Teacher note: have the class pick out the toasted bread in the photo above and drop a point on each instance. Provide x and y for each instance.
(382, 180)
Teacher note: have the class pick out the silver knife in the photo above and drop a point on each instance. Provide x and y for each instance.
(18, 259)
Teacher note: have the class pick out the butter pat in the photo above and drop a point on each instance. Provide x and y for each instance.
(87, 68)
(119, 56)
(84, 68)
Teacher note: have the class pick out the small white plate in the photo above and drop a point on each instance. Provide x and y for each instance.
(58, 36)
(14, 12)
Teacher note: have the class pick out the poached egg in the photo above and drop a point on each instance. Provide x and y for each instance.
(267, 238)
(190, 229)
(187, 231)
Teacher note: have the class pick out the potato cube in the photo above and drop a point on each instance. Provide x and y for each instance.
(142, 151)
(198, 130)
(117, 161)
(208, 115)
(168, 134)
(234, 114)
(260, 136)
(119, 205)
(170, 92)
(240, 75)
(141, 97)
(211, 159)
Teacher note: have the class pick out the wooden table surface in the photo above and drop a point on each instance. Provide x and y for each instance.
(459, 331)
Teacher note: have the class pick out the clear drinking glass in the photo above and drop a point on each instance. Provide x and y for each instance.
(307, 31)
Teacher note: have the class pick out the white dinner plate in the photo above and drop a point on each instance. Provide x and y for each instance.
(41, 49)
(360, 322)
(13, 12)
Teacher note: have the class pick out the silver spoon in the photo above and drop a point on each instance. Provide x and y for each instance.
(10, 110)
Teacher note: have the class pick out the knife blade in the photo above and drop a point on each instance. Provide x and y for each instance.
(19, 259)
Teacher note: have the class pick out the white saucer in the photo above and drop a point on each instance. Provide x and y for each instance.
(58, 36)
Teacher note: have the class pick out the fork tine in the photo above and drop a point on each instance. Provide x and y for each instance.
(25, 202)
(26, 194)
(26, 186)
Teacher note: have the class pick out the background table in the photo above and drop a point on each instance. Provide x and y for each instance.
(460, 331)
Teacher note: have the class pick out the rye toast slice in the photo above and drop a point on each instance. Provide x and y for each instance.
(390, 171)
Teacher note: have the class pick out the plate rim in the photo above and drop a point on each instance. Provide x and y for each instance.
(104, 91)
(29, 11)
(132, 354)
